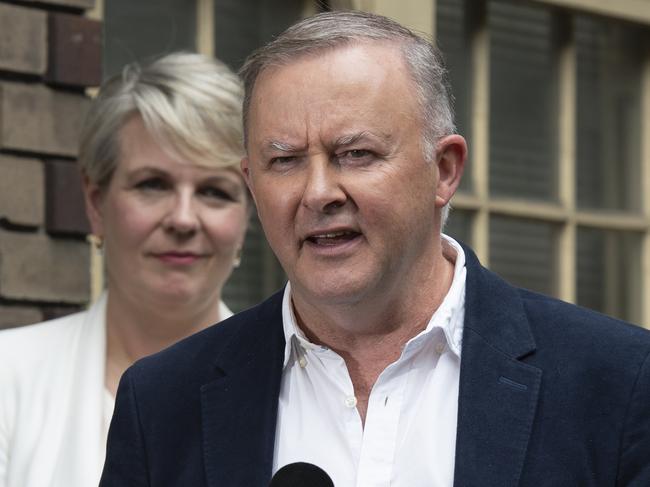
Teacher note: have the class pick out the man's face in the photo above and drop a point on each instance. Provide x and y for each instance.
(335, 164)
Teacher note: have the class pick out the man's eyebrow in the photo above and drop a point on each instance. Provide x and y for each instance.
(280, 146)
(352, 138)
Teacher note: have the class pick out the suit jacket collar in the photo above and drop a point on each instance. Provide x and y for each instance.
(494, 310)
(498, 392)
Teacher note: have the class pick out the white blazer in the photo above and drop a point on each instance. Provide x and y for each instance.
(53, 401)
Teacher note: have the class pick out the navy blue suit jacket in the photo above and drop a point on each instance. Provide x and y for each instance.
(550, 395)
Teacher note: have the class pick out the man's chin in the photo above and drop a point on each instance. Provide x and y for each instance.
(334, 291)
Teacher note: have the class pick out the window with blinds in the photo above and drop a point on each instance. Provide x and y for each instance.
(608, 272)
(557, 197)
(240, 27)
(143, 29)
(523, 252)
(609, 64)
(459, 225)
(522, 96)
(258, 275)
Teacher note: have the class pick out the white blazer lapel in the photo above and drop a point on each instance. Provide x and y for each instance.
(83, 440)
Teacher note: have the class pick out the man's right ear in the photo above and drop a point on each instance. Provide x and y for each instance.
(243, 164)
(93, 196)
(245, 169)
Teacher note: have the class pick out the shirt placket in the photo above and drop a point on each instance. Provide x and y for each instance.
(380, 435)
(334, 367)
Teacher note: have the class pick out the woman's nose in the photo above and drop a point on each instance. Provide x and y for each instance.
(182, 217)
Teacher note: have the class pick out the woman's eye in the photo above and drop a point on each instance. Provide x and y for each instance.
(216, 193)
(155, 184)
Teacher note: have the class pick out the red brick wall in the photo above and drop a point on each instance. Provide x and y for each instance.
(49, 54)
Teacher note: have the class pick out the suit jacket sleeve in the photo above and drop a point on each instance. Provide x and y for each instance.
(126, 460)
(634, 466)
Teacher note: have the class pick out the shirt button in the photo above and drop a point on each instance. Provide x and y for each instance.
(351, 401)
(440, 347)
(302, 361)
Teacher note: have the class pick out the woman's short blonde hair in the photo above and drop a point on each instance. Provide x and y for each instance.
(189, 103)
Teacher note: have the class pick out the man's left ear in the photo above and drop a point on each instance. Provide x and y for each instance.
(451, 153)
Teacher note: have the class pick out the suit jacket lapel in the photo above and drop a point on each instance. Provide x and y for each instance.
(239, 407)
(498, 392)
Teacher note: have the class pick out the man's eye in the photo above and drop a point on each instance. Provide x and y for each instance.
(283, 160)
(358, 153)
(355, 155)
(216, 193)
(153, 184)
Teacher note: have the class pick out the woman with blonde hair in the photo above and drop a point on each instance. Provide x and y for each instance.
(167, 204)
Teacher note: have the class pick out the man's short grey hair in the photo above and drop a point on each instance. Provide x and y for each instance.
(189, 103)
(331, 30)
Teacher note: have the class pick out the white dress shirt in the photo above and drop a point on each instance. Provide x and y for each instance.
(409, 437)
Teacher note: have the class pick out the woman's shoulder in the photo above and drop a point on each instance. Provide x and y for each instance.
(21, 346)
(45, 372)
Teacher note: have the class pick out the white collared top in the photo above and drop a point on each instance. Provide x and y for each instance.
(409, 438)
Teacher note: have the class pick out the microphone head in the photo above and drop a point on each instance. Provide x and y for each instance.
(301, 474)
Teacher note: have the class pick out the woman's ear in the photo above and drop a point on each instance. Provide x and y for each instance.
(451, 153)
(93, 197)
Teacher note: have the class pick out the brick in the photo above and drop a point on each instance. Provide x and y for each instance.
(75, 50)
(23, 45)
(22, 190)
(35, 118)
(40, 268)
(12, 316)
(65, 210)
(83, 4)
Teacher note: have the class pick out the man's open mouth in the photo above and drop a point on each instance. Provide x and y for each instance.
(332, 238)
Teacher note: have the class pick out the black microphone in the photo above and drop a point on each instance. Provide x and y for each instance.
(301, 474)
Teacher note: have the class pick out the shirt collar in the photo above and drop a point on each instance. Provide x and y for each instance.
(292, 332)
(448, 317)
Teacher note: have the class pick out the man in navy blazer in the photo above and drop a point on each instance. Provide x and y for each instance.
(457, 377)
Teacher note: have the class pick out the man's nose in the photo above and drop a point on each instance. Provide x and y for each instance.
(182, 215)
(323, 188)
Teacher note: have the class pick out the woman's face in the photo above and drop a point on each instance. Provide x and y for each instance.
(171, 229)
